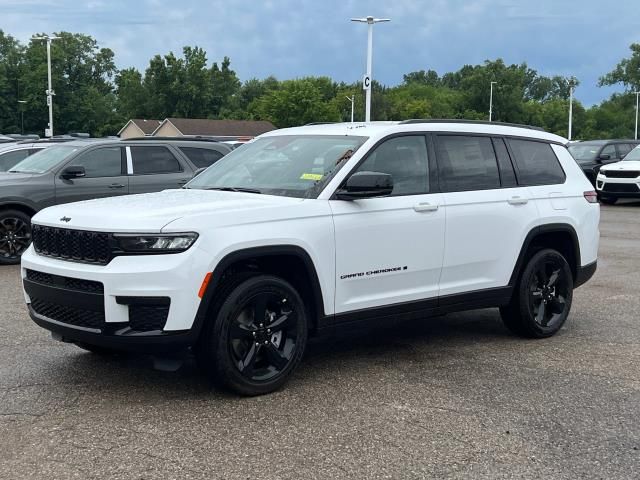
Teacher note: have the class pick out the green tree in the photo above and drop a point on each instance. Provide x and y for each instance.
(626, 72)
(11, 53)
(296, 102)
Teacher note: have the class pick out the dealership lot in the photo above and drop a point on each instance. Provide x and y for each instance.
(456, 397)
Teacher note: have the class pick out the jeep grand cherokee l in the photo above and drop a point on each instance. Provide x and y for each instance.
(309, 228)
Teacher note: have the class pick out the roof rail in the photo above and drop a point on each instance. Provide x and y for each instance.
(320, 123)
(179, 139)
(49, 140)
(472, 122)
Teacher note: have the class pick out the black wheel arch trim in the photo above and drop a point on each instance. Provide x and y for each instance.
(260, 252)
(540, 230)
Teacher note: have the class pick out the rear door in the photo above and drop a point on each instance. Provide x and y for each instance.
(155, 168)
(105, 175)
(487, 214)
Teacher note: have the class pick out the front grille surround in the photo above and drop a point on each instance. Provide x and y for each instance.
(74, 245)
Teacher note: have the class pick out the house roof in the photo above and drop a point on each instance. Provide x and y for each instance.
(227, 128)
(146, 125)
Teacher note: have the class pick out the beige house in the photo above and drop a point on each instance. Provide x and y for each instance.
(137, 127)
(177, 127)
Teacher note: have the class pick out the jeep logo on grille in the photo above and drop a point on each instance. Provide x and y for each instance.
(65, 219)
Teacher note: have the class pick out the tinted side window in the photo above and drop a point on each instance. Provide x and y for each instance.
(536, 163)
(507, 175)
(148, 160)
(609, 150)
(11, 159)
(201, 157)
(101, 162)
(406, 160)
(466, 163)
(623, 149)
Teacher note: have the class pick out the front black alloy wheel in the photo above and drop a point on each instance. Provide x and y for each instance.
(258, 337)
(15, 236)
(542, 300)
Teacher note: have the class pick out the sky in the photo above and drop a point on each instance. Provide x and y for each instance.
(297, 38)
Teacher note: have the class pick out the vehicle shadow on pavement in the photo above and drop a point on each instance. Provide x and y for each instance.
(343, 348)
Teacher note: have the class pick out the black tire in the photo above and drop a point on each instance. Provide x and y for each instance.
(95, 349)
(255, 339)
(608, 200)
(15, 235)
(542, 298)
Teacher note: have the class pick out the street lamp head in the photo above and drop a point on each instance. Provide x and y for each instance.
(370, 20)
(22, 101)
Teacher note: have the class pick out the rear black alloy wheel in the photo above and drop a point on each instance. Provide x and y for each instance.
(15, 236)
(259, 336)
(542, 300)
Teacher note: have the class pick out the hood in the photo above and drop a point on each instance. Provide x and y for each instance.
(150, 212)
(623, 165)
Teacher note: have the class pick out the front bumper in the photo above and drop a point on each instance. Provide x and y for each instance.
(107, 315)
(618, 187)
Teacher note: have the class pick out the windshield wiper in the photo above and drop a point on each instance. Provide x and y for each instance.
(234, 189)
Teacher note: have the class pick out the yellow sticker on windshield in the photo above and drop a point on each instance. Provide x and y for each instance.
(311, 176)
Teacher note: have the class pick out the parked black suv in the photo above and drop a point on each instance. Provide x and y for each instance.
(592, 154)
(85, 169)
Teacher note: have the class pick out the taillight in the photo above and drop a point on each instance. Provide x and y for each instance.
(591, 196)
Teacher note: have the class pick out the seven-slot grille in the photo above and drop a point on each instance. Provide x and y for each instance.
(621, 173)
(76, 245)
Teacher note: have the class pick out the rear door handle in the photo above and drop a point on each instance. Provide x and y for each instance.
(425, 207)
(116, 185)
(518, 201)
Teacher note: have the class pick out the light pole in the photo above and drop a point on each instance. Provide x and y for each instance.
(370, 21)
(491, 101)
(351, 99)
(637, 97)
(571, 87)
(22, 102)
(50, 93)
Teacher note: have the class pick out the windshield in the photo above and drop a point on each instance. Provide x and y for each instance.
(44, 160)
(285, 165)
(633, 155)
(584, 152)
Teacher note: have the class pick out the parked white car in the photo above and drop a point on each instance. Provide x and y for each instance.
(620, 179)
(315, 227)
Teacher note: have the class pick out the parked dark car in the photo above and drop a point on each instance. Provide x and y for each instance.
(592, 154)
(85, 169)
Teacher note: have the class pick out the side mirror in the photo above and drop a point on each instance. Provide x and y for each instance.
(73, 171)
(622, 155)
(366, 185)
(604, 156)
(199, 171)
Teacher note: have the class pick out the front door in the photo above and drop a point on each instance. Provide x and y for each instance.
(389, 249)
(105, 176)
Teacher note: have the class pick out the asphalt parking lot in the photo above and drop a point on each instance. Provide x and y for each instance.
(453, 397)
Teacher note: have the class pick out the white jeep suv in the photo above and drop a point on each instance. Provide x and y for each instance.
(310, 228)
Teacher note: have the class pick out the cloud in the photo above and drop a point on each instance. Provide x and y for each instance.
(288, 38)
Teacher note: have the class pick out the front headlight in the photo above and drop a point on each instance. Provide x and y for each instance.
(156, 243)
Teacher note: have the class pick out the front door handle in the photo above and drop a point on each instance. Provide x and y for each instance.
(116, 185)
(518, 201)
(425, 207)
